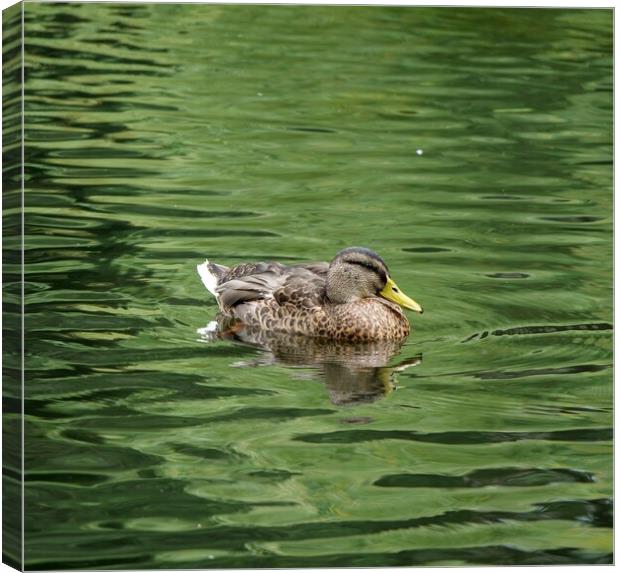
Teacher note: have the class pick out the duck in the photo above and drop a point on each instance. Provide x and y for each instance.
(351, 298)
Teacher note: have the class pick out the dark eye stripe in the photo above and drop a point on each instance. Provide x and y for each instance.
(377, 271)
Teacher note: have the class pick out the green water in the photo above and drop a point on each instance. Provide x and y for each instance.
(471, 148)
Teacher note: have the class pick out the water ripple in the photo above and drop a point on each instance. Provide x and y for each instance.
(457, 437)
(504, 477)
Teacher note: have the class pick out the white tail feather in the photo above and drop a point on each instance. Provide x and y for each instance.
(207, 277)
(208, 333)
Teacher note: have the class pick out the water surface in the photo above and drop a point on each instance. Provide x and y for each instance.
(471, 148)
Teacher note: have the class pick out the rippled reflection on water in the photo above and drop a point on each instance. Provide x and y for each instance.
(353, 373)
(159, 134)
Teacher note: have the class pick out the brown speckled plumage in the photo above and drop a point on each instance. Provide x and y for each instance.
(338, 300)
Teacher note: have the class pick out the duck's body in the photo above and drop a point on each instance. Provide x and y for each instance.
(341, 300)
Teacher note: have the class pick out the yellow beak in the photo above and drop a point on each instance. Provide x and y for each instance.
(392, 292)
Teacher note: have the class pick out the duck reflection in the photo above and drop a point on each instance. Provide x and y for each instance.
(353, 373)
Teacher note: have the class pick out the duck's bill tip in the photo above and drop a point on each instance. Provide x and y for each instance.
(412, 305)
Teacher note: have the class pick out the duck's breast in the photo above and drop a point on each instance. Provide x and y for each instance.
(368, 319)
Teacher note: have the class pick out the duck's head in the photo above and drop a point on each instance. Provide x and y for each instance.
(357, 272)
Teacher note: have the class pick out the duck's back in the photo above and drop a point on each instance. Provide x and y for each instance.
(272, 295)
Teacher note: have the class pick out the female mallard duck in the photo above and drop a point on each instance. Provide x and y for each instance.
(351, 298)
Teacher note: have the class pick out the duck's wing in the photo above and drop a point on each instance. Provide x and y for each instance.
(248, 282)
(302, 285)
(319, 269)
